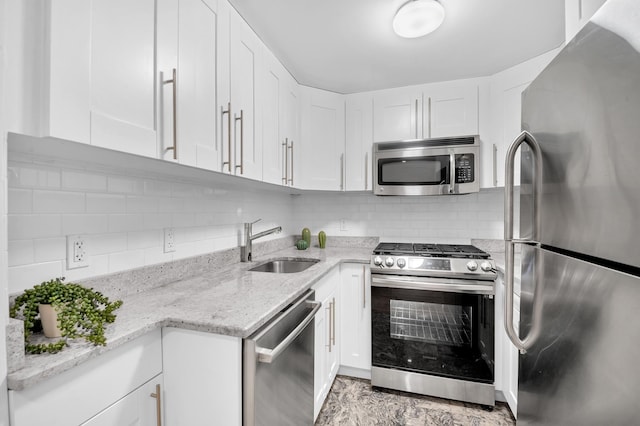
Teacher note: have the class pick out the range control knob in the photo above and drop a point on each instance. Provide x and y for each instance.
(401, 263)
(486, 266)
(377, 261)
(389, 261)
(472, 265)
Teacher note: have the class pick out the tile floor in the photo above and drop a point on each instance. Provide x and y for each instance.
(352, 402)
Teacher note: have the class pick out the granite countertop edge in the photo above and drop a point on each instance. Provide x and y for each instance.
(233, 302)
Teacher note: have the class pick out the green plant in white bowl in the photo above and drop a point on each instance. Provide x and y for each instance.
(81, 313)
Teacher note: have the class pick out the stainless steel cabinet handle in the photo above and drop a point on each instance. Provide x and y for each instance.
(291, 178)
(495, 165)
(285, 159)
(174, 83)
(534, 332)
(429, 116)
(228, 112)
(268, 355)
(452, 175)
(364, 287)
(329, 326)
(241, 119)
(416, 114)
(342, 172)
(366, 170)
(157, 396)
(333, 321)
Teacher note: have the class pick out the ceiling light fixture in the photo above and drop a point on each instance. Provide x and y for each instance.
(417, 18)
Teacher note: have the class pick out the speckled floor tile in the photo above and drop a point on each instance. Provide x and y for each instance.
(353, 402)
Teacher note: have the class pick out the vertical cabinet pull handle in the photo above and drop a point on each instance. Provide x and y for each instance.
(364, 288)
(291, 178)
(241, 119)
(429, 116)
(366, 170)
(536, 324)
(285, 159)
(157, 396)
(228, 112)
(342, 172)
(328, 308)
(333, 321)
(174, 83)
(416, 114)
(495, 165)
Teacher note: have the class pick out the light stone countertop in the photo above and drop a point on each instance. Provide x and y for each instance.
(229, 301)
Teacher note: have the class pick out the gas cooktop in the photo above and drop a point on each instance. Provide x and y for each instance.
(433, 260)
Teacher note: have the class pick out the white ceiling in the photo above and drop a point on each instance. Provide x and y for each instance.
(348, 46)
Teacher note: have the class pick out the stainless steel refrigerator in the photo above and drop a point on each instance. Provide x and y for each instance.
(580, 230)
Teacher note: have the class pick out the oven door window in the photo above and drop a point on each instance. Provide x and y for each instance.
(439, 333)
(430, 170)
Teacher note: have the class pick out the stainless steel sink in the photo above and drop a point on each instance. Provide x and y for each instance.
(285, 265)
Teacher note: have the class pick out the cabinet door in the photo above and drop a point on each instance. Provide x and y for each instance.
(274, 145)
(397, 115)
(319, 359)
(355, 316)
(506, 360)
(140, 408)
(321, 152)
(122, 78)
(245, 53)
(359, 139)
(450, 110)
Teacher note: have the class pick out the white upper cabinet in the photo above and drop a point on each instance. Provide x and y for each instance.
(90, 73)
(577, 13)
(427, 111)
(359, 140)
(397, 115)
(505, 95)
(450, 109)
(279, 99)
(187, 38)
(122, 77)
(321, 152)
(241, 129)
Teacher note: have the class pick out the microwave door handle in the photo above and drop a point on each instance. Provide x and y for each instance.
(452, 177)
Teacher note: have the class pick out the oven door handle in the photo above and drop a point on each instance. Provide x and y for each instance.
(451, 286)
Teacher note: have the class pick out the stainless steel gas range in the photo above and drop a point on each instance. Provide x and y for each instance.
(432, 320)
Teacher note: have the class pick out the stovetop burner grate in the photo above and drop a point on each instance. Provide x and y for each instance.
(431, 250)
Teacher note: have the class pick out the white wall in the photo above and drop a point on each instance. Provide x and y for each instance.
(438, 219)
(4, 408)
(123, 219)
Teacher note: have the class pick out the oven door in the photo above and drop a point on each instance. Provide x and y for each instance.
(438, 327)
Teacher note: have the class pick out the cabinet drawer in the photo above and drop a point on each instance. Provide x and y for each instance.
(78, 394)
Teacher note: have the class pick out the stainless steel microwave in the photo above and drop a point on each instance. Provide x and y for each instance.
(427, 166)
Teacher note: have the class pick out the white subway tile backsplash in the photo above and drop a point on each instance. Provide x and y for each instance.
(98, 265)
(126, 260)
(145, 239)
(28, 175)
(125, 222)
(21, 252)
(20, 200)
(107, 243)
(124, 185)
(83, 181)
(26, 276)
(141, 204)
(106, 203)
(84, 224)
(30, 226)
(50, 249)
(58, 202)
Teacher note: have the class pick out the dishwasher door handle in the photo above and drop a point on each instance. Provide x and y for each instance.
(268, 355)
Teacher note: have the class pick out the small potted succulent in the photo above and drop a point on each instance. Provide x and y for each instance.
(76, 312)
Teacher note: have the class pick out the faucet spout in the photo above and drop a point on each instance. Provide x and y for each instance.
(246, 248)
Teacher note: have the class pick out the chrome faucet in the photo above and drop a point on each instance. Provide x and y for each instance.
(245, 249)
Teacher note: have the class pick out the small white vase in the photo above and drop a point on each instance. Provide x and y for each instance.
(49, 318)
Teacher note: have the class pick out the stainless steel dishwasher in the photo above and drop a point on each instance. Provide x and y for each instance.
(278, 368)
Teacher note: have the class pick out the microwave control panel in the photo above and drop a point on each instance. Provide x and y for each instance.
(465, 168)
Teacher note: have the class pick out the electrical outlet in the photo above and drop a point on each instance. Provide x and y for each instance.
(169, 240)
(77, 252)
(343, 225)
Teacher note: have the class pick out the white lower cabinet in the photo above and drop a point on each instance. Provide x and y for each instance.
(203, 378)
(355, 320)
(142, 407)
(506, 373)
(109, 389)
(327, 339)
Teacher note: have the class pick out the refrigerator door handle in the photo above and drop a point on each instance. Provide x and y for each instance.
(510, 242)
